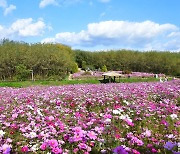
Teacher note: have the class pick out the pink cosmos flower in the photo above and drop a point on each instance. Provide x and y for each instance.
(14, 126)
(147, 133)
(43, 146)
(129, 122)
(6, 148)
(58, 103)
(53, 143)
(117, 136)
(75, 150)
(99, 129)
(137, 141)
(149, 145)
(130, 135)
(77, 138)
(164, 122)
(154, 150)
(92, 135)
(77, 129)
(57, 150)
(107, 116)
(24, 148)
(51, 118)
(9, 140)
(14, 116)
(61, 125)
(82, 146)
(135, 151)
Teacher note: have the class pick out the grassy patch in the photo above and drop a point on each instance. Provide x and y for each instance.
(19, 84)
(26, 83)
(130, 80)
(68, 82)
(84, 81)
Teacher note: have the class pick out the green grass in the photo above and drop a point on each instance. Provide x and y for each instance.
(19, 84)
(130, 80)
(68, 82)
(84, 81)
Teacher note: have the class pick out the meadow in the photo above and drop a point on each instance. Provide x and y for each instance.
(92, 77)
(20, 84)
(116, 118)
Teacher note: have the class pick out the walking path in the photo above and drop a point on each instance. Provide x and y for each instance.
(70, 77)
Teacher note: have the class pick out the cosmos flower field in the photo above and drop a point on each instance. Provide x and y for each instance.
(97, 74)
(104, 118)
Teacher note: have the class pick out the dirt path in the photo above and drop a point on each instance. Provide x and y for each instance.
(70, 77)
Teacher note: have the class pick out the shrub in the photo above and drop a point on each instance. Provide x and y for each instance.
(104, 68)
(126, 72)
(86, 73)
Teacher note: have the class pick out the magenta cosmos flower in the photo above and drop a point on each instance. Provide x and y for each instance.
(57, 150)
(24, 148)
(53, 143)
(43, 146)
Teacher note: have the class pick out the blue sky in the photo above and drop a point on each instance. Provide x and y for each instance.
(94, 24)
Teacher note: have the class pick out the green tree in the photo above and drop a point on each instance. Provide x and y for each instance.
(84, 66)
(22, 73)
(74, 68)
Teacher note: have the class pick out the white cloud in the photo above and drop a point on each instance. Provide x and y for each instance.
(26, 27)
(3, 3)
(9, 9)
(174, 34)
(104, 1)
(45, 3)
(69, 38)
(23, 28)
(122, 34)
(1, 32)
(129, 30)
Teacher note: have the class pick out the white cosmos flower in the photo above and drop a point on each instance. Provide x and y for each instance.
(30, 107)
(108, 120)
(39, 112)
(173, 116)
(126, 102)
(34, 148)
(32, 135)
(2, 133)
(116, 112)
(100, 114)
(170, 136)
(124, 116)
(121, 110)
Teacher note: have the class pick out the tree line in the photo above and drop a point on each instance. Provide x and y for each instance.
(55, 61)
(129, 60)
(47, 61)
